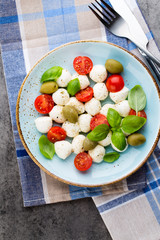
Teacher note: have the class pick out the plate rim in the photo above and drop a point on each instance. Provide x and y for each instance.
(29, 152)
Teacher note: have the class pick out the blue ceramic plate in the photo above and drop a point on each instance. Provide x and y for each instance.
(99, 174)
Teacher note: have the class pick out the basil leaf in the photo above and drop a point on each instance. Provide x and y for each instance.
(116, 129)
(111, 157)
(52, 74)
(46, 147)
(73, 86)
(137, 98)
(118, 140)
(113, 118)
(99, 133)
(131, 123)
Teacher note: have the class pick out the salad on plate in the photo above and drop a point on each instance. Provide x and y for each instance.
(76, 120)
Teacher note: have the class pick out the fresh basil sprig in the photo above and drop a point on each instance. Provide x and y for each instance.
(118, 140)
(46, 147)
(52, 74)
(73, 86)
(137, 98)
(131, 123)
(111, 157)
(113, 118)
(99, 133)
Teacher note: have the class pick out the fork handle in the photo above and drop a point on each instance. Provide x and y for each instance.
(153, 66)
(150, 56)
(145, 50)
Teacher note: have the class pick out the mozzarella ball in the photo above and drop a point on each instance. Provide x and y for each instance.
(100, 91)
(119, 96)
(97, 153)
(72, 129)
(105, 142)
(83, 79)
(123, 108)
(116, 149)
(61, 96)
(105, 108)
(98, 73)
(43, 124)
(84, 122)
(77, 104)
(77, 144)
(64, 79)
(93, 106)
(57, 115)
(63, 149)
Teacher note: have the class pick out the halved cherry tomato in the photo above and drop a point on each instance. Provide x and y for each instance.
(139, 114)
(44, 103)
(97, 120)
(56, 134)
(83, 161)
(115, 83)
(85, 95)
(82, 65)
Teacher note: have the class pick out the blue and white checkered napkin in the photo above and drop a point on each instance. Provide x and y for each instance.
(31, 28)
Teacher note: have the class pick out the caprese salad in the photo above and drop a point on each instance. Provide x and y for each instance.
(72, 108)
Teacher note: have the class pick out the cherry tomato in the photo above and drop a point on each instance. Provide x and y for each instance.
(140, 113)
(56, 134)
(115, 83)
(83, 161)
(85, 95)
(44, 103)
(97, 120)
(82, 65)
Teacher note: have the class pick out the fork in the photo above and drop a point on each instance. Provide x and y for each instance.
(119, 27)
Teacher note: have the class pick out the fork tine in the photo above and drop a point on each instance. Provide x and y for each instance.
(107, 12)
(98, 16)
(110, 9)
(108, 20)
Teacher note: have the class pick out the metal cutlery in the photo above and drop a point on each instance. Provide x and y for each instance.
(119, 27)
(136, 30)
(151, 64)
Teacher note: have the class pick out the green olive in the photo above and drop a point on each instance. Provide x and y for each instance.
(113, 66)
(70, 113)
(88, 144)
(49, 87)
(136, 139)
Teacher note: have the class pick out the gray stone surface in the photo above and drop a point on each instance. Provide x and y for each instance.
(151, 11)
(62, 221)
